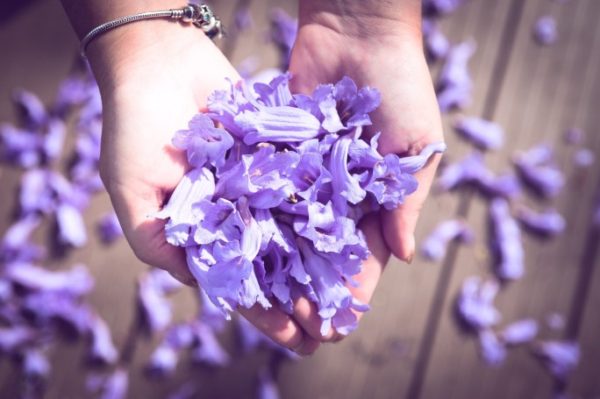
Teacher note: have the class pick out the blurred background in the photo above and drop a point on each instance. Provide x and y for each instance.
(69, 331)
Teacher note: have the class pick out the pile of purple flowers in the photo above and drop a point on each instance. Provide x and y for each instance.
(269, 211)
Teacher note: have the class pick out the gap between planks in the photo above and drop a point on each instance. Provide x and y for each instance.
(448, 266)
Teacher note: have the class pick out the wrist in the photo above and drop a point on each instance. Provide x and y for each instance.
(144, 51)
(372, 21)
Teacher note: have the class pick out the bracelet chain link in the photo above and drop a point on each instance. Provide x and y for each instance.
(200, 15)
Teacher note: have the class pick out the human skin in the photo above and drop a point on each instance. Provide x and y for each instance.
(155, 75)
(379, 44)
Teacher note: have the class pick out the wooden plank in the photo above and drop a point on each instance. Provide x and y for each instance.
(547, 89)
(584, 321)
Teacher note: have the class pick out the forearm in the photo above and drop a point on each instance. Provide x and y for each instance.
(365, 18)
(117, 56)
(87, 14)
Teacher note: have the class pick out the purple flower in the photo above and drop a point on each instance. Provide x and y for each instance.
(75, 90)
(203, 142)
(346, 188)
(436, 44)
(208, 350)
(584, 158)
(560, 357)
(217, 221)
(20, 147)
(492, 350)
(53, 141)
(75, 282)
(102, 347)
(484, 134)
(574, 136)
(71, 229)
(247, 68)
(277, 125)
(476, 303)
(267, 387)
(19, 233)
(537, 169)
(388, 184)
(519, 332)
(434, 246)
(210, 314)
(506, 186)
(472, 170)
(110, 386)
(545, 31)
(468, 170)
(441, 6)
(355, 105)
(195, 186)
(455, 79)
(163, 360)
(555, 321)
(274, 93)
(84, 171)
(417, 162)
(454, 97)
(15, 337)
(323, 105)
(283, 34)
(31, 110)
(228, 274)
(46, 306)
(277, 218)
(506, 241)
(243, 18)
(44, 191)
(547, 223)
(328, 232)
(262, 177)
(35, 363)
(154, 305)
(165, 357)
(109, 228)
(328, 289)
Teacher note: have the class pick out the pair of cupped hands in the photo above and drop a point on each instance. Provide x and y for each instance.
(155, 75)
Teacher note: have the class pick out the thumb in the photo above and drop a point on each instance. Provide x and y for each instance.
(399, 224)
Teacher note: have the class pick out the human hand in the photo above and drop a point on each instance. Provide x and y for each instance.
(153, 78)
(377, 44)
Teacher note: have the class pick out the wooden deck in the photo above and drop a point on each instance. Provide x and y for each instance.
(409, 344)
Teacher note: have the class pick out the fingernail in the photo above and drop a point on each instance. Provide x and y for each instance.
(298, 349)
(338, 338)
(410, 247)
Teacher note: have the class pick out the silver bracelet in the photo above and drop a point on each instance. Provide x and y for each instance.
(200, 15)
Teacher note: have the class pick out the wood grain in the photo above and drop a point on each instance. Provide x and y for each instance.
(408, 345)
(547, 89)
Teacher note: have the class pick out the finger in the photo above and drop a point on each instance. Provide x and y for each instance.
(280, 328)
(151, 248)
(307, 316)
(146, 235)
(373, 267)
(399, 224)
